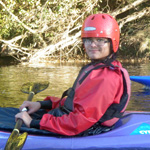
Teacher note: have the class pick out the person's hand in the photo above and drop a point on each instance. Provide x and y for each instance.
(25, 117)
(31, 106)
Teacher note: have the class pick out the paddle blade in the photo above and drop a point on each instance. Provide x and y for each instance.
(35, 87)
(16, 140)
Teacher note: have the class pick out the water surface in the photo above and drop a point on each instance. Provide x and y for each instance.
(12, 77)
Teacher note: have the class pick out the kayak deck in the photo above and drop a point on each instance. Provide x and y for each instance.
(132, 131)
(141, 79)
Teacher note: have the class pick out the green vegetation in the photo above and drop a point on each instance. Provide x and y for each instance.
(41, 30)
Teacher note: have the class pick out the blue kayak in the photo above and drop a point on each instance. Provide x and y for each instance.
(145, 80)
(132, 131)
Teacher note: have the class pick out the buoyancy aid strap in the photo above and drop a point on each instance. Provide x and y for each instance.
(115, 109)
(65, 93)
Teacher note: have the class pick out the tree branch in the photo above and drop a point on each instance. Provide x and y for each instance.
(15, 47)
(127, 7)
(16, 18)
(134, 16)
(52, 48)
(25, 26)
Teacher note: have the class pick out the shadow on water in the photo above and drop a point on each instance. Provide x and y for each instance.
(140, 95)
(61, 77)
(141, 100)
(7, 61)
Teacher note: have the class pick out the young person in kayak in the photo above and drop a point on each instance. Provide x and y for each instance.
(100, 93)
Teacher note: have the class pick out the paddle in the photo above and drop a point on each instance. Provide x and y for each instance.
(17, 140)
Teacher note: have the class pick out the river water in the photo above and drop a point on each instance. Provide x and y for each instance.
(60, 76)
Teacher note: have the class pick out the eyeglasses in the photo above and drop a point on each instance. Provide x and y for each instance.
(97, 41)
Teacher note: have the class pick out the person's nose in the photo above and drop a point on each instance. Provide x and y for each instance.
(93, 44)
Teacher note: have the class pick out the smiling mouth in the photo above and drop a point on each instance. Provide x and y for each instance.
(96, 50)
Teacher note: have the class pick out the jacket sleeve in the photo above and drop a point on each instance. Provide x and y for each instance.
(91, 100)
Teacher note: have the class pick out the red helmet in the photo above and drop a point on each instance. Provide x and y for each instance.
(102, 25)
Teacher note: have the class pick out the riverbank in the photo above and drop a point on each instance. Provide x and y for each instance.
(74, 61)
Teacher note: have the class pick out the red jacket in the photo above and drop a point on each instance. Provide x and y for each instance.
(100, 89)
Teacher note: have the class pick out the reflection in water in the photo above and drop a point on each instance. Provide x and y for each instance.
(60, 78)
(12, 78)
(141, 100)
(140, 96)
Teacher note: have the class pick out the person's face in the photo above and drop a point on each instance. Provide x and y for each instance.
(97, 48)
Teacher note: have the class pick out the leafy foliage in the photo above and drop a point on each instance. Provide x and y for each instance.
(51, 28)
